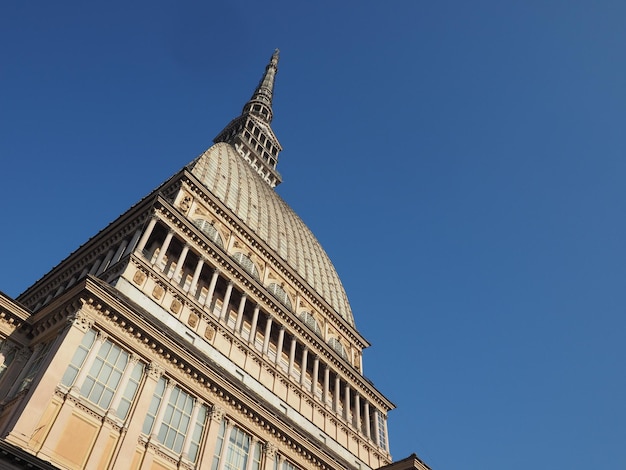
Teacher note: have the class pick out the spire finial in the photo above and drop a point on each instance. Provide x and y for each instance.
(251, 134)
(264, 91)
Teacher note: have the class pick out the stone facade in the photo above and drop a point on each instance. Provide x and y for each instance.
(204, 328)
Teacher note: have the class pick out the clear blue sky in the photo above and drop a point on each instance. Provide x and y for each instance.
(462, 163)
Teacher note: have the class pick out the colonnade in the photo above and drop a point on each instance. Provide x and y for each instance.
(215, 293)
(260, 330)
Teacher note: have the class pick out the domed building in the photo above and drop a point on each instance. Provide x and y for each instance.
(204, 328)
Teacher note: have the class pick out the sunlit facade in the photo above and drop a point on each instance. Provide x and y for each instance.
(204, 328)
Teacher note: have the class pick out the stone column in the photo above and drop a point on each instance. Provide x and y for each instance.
(366, 408)
(255, 319)
(279, 346)
(213, 283)
(346, 403)
(95, 267)
(196, 276)
(163, 250)
(315, 376)
(386, 434)
(146, 234)
(180, 263)
(216, 415)
(377, 428)
(337, 392)
(326, 384)
(253, 443)
(357, 411)
(281, 461)
(266, 338)
(303, 366)
(242, 305)
(225, 305)
(292, 356)
(269, 456)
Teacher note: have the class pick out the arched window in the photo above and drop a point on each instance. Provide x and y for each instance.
(246, 263)
(309, 320)
(210, 231)
(338, 347)
(280, 294)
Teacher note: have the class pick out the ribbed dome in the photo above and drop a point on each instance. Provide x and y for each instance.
(229, 177)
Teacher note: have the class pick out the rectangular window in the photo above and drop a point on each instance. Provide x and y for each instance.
(237, 451)
(79, 358)
(35, 365)
(154, 406)
(104, 375)
(381, 430)
(196, 433)
(176, 420)
(130, 391)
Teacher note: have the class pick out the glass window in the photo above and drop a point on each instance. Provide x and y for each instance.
(154, 406)
(104, 375)
(131, 389)
(278, 292)
(79, 357)
(309, 320)
(35, 365)
(338, 347)
(176, 420)
(209, 230)
(196, 433)
(381, 430)
(238, 450)
(246, 263)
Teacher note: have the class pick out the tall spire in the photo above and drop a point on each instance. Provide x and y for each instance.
(263, 93)
(251, 134)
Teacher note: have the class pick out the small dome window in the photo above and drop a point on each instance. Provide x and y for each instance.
(282, 296)
(210, 231)
(310, 321)
(247, 264)
(338, 347)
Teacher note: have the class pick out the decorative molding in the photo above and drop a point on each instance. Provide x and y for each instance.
(155, 370)
(216, 413)
(81, 320)
(270, 450)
